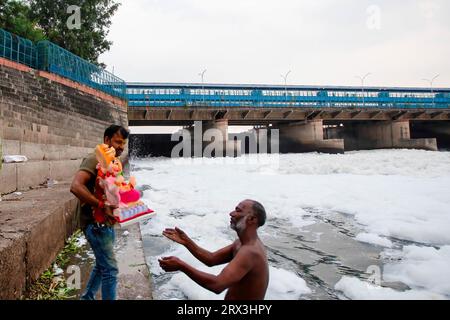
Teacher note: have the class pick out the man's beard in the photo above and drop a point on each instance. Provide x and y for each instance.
(240, 225)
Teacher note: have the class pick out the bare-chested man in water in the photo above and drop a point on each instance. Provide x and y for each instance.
(247, 274)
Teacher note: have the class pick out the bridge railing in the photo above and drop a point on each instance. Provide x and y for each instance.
(278, 98)
(47, 56)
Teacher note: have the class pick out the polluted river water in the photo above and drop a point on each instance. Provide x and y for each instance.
(363, 225)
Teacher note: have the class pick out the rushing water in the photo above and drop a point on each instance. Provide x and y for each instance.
(317, 206)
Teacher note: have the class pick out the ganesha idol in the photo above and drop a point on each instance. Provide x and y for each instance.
(117, 191)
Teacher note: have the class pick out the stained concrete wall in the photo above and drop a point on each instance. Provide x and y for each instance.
(304, 137)
(355, 135)
(53, 121)
(211, 138)
(379, 135)
(307, 137)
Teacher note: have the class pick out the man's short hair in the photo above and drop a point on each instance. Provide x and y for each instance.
(113, 129)
(260, 213)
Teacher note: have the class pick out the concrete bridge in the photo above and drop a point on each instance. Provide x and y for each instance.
(309, 118)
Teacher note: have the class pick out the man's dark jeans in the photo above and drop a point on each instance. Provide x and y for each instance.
(101, 239)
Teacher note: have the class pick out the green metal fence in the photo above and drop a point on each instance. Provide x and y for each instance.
(17, 49)
(47, 56)
(57, 60)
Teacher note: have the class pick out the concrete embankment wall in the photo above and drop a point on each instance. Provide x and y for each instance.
(368, 135)
(55, 122)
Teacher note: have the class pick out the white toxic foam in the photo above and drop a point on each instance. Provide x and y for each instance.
(391, 194)
(374, 239)
(357, 289)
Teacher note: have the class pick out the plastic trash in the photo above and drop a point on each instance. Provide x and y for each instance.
(14, 158)
(50, 182)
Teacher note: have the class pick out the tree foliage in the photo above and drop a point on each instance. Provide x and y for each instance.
(47, 19)
(87, 42)
(15, 18)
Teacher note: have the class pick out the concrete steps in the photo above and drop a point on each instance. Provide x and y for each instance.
(33, 228)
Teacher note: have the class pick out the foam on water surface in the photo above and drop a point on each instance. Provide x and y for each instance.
(390, 199)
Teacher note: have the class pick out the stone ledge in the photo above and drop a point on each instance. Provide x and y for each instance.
(8, 178)
(33, 228)
(429, 144)
(32, 174)
(37, 151)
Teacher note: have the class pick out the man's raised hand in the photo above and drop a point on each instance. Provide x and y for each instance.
(176, 235)
(170, 264)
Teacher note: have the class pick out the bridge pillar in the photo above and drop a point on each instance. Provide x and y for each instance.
(382, 135)
(210, 139)
(307, 137)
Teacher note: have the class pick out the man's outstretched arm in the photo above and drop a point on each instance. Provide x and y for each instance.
(231, 274)
(210, 259)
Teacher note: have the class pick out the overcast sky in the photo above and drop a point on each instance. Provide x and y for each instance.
(323, 42)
